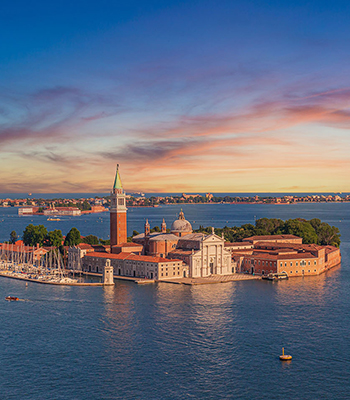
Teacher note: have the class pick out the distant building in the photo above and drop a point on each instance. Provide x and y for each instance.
(27, 210)
(71, 211)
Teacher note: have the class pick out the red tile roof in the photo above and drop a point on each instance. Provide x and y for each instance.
(271, 237)
(85, 246)
(20, 248)
(130, 256)
(129, 244)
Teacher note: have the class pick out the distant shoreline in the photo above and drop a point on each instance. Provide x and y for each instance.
(192, 203)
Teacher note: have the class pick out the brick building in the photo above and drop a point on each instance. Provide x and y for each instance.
(128, 264)
(295, 259)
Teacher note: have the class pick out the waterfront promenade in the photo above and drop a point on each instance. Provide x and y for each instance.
(186, 281)
(213, 279)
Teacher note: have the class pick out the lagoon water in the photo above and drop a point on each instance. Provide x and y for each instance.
(163, 341)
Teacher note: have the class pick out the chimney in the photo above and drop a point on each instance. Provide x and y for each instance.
(147, 228)
(163, 226)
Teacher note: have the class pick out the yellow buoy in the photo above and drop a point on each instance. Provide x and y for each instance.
(285, 357)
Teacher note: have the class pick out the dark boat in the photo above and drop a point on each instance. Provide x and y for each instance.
(11, 298)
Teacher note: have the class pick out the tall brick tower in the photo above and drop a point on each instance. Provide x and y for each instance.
(118, 233)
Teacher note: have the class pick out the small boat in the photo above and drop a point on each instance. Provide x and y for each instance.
(54, 219)
(275, 277)
(285, 357)
(11, 298)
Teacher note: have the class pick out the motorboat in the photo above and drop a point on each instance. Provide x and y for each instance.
(11, 298)
(275, 277)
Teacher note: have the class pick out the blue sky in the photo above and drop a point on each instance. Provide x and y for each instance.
(186, 96)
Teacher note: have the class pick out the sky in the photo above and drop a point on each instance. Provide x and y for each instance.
(187, 96)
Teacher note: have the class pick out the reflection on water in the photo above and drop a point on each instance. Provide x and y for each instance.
(167, 341)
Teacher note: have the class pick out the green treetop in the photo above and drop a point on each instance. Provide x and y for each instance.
(73, 237)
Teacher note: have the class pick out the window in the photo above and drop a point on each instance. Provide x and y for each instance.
(296, 272)
(291, 264)
(120, 202)
(296, 263)
(309, 270)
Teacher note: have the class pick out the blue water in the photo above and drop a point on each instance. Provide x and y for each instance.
(217, 215)
(163, 341)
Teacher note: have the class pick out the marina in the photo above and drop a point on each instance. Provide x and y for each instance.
(21, 262)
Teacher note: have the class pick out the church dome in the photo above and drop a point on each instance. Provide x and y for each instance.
(181, 225)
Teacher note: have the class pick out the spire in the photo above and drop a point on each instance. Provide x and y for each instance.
(181, 215)
(117, 187)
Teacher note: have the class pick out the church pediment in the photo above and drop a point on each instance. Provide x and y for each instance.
(213, 238)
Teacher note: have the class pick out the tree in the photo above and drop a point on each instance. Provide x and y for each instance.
(315, 223)
(86, 206)
(328, 235)
(54, 238)
(268, 226)
(13, 237)
(73, 237)
(34, 235)
(91, 239)
(300, 228)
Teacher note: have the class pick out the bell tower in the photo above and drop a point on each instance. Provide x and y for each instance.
(118, 231)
